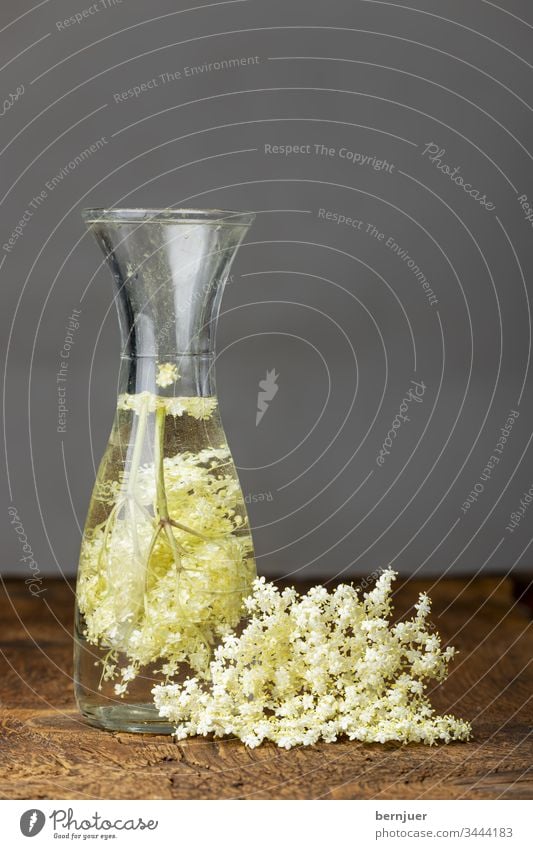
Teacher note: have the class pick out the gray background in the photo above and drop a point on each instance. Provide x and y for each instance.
(338, 315)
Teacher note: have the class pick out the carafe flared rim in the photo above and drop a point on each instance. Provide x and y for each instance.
(218, 217)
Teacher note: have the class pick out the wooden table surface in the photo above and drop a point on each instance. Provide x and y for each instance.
(47, 752)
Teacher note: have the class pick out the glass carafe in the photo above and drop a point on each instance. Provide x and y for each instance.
(167, 555)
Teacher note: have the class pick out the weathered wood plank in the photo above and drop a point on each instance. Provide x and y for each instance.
(46, 751)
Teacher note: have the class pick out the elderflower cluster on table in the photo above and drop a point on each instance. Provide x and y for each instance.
(317, 667)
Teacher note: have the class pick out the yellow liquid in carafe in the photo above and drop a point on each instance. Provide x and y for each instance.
(166, 557)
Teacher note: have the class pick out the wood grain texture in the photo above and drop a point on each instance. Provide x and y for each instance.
(47, 752)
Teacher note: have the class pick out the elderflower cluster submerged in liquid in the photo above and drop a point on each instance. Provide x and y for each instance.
(316, 667)
(167, 374)
(167, 557)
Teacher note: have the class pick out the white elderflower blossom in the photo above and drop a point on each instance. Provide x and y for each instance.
(196, 406)
(167, 374)
(163, 577)
(318, 667)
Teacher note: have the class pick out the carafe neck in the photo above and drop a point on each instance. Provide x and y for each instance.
(169, 268)
(174, 376)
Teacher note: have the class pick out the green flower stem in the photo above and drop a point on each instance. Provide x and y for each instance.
(132, 477)
(161, 506)
(137, 447)
(188, 530)
(165, 522)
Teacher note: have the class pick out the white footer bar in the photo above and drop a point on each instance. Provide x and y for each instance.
(254, 824)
